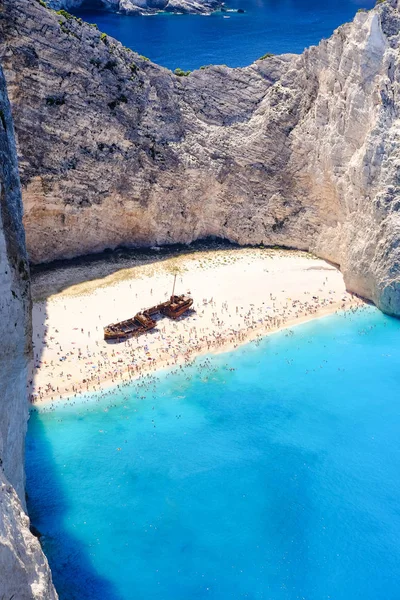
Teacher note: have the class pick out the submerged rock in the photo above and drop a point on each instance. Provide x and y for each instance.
(299, 151)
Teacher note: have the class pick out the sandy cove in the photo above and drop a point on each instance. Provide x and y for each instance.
(239, 295)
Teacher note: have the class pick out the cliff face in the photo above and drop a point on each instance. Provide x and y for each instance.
(299, 151)
(142, 7)
(24, 572)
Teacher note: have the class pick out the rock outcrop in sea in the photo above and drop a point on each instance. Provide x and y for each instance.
(24, 571)
(142, 7)
(294, 150)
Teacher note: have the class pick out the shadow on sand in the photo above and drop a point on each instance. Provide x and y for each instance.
(57, 276)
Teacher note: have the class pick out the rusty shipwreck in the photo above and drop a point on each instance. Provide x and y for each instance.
(143, 321)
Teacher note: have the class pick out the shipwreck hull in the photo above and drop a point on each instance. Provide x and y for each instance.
(142, 322)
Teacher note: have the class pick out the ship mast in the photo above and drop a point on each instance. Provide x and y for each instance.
(173, 288)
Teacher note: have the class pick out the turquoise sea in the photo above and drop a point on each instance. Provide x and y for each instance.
(190, 41)
(271, 472)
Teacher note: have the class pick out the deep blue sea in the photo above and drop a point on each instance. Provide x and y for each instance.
(271, 472)
(190, 41)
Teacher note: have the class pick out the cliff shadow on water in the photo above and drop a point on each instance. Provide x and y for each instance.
(74, 575)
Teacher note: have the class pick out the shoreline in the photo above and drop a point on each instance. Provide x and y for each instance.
(127, 376)
(256, 293)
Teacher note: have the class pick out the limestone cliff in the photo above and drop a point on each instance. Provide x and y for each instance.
(142, 7)
(24, 572)
(300, 151)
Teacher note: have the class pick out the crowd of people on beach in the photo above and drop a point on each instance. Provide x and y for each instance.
(92, 365)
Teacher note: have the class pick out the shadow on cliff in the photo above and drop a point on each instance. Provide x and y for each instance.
(74, 575)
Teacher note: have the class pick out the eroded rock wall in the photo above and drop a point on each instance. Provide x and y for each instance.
(300, 151)
(24, 572)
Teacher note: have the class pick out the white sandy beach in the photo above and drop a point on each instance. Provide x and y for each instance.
(238, 294)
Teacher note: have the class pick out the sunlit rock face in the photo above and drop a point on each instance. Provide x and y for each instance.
(299, 151)
(141, 6)
(24, 572)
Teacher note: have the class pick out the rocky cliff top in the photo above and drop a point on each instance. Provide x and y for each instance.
(299, 151)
